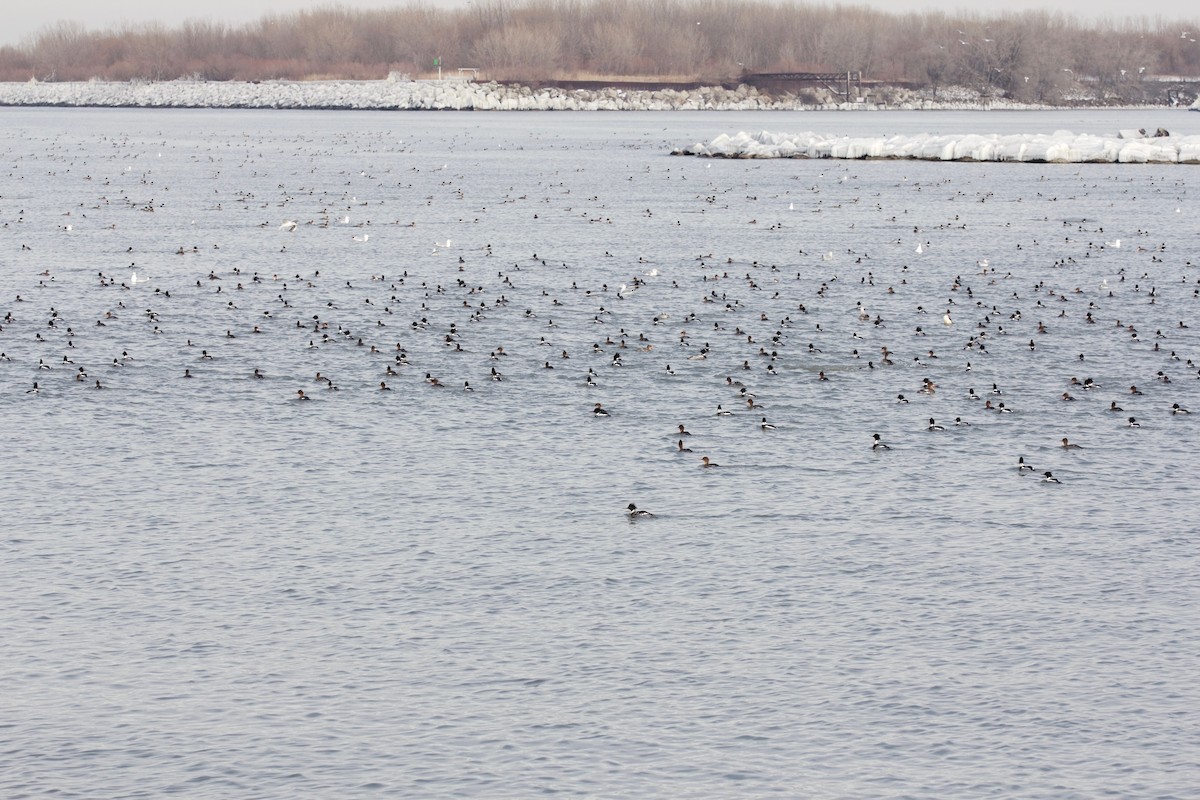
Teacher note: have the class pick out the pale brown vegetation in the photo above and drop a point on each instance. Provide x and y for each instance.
(1035, 55)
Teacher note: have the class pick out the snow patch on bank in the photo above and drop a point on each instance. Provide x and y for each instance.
(435, 95)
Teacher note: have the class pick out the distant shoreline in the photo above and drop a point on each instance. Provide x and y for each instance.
(458, 95)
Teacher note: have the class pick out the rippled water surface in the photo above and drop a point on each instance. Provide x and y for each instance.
(213, 589)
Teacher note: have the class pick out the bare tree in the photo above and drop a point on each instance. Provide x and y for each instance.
(1033, 55)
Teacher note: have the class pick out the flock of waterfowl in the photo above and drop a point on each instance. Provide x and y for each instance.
(758, 305)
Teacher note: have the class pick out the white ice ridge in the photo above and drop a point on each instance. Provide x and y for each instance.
(1061, 147)
(380, 95)
(431, 95)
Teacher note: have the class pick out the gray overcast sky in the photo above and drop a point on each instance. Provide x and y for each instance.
(28, 17)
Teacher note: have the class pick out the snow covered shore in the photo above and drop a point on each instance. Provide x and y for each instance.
(1060, 147)
(430, 95)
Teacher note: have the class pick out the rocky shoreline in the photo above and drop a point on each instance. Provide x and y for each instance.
(460, 95)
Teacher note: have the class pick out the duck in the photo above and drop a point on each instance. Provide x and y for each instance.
(766, 426)
(1133, 423)
(933, 426)
(705, 462)
(598, 411)
(878, 444)
(636, 513)
(1022, 466)
(1178, 409)
(1067, 445)
(1048, 477)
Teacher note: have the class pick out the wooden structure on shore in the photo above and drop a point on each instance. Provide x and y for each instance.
(846, 84)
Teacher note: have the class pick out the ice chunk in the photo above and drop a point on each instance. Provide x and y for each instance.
(1060, 147)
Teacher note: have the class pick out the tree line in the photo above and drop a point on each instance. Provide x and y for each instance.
(1028, 55)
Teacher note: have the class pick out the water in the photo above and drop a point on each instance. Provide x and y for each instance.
(211, 589)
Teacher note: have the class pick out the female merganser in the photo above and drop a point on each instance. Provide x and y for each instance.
(682, 449)
(300, 395)
(1066, 445)
(707, 463)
